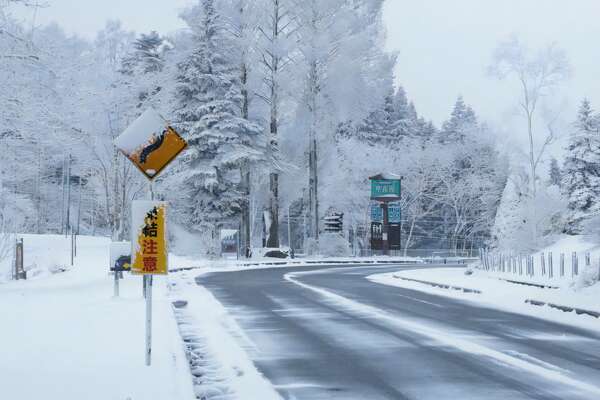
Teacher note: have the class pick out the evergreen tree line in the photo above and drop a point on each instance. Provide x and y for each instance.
(263, 91)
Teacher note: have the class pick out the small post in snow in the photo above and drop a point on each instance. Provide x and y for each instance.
(72, 247)
(588, 260)
(543, 260)
(19, 265)
(550, 266)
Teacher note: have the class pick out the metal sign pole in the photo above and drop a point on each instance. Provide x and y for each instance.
(385, 230)
(148, 292)
(149, 320)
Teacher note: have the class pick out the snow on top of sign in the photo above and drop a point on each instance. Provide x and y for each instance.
(141, 130)
(228, 233)
(386, 176)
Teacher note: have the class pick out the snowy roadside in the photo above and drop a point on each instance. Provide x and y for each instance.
(500, 294)
(217, 348)
(64, 335)
(215, 344)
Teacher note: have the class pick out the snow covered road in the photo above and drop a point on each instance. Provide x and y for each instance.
(329, 333)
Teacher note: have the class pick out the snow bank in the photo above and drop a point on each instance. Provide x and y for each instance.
(65, 336)
(43, 257)
(500, 294)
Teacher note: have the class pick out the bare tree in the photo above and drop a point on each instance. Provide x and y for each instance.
(275, 32)
(538, 73)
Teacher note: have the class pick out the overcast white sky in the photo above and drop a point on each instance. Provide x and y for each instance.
(444, 46)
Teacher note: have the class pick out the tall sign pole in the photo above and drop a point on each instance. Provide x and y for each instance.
(150, 144)
(385, 189)
(385, 229)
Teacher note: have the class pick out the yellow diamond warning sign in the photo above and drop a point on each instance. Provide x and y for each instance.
(150, 143)
(149, 252)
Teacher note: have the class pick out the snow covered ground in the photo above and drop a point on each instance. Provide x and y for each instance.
(64, 336)
(501, 294)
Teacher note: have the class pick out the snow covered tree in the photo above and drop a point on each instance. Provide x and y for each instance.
(208, 114)
(148, 53)
(537, 74)
(461, 121)
(242, 20)
(581, 171)
(389, 124)
(555, 173)
(512, 228)
(275, 47)
(344, 71)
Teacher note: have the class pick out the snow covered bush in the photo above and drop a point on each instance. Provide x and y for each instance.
(311, 246)
(588, 277)
(525, 223)
(333, 245)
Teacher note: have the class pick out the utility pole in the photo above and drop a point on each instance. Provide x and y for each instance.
(79, 207)
(62, 214)
(245, 222)
(289, 227)
(313, 194)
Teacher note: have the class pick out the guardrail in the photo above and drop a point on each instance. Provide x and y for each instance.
(545, 265)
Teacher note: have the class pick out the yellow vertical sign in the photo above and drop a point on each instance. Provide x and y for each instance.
(149, 242)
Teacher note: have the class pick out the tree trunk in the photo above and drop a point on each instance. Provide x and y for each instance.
(313, 180)
(245, 173)
(533, 173)
(115, 197)
(409, 238)
(273, 233)
(68, 182)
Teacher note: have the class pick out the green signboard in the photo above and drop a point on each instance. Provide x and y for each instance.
(385, 188)
(394, 213)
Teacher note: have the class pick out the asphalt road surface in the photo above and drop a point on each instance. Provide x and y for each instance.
(329, 333)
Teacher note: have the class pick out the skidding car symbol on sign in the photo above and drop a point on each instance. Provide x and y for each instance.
(150, 143)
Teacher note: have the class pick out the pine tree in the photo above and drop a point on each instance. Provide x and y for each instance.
(581, 172)
(555, 173)
(148, 54)
(150, 48)
(461, 120)
(392, 122)
(208, 113)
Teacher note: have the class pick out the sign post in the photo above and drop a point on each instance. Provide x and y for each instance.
(385, 189)
(120, 260)
(19, 266)
(150, 144)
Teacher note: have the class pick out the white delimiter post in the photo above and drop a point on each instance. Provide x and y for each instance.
(148, 285)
